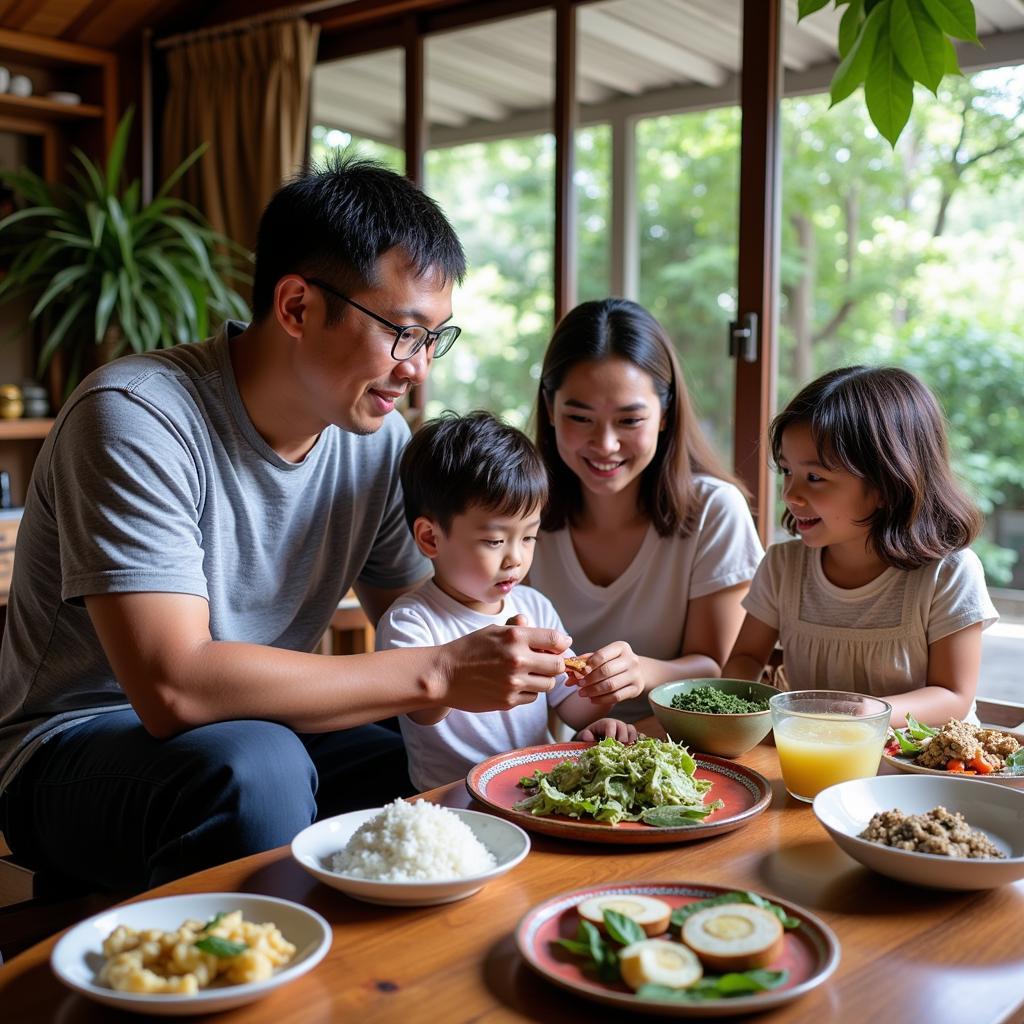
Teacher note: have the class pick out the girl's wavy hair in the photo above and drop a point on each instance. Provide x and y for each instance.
(883, 425)
(620, 329)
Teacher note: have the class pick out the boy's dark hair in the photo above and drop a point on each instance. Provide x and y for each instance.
(336, 221)
(456, 462)
(620, 329)
(884, 426)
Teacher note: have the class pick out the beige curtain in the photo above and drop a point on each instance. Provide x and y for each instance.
(248, 95)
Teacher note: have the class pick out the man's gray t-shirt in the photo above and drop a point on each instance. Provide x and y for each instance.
(153, 478)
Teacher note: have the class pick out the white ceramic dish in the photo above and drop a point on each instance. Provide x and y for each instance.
(1005, 778)
(77, 957)
(998, 811)
(314, 846)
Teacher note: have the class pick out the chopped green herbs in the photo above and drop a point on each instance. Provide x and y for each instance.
(613, 782)
(680, 914)
(711, 701)
(217, 946)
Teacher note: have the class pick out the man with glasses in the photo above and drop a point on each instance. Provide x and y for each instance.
(193, 520)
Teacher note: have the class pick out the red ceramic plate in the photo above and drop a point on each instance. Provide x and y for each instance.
(495, 783)
(810, 952)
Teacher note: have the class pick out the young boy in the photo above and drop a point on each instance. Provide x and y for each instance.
(474, 489)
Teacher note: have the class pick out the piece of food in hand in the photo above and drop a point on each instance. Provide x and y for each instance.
(734, 936)
(652, 915)
(659, 962)
(576, 665)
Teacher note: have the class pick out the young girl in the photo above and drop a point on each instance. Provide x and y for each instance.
(881, 593)
(647, 545)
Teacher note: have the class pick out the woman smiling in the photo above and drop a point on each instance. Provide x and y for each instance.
(647, 546)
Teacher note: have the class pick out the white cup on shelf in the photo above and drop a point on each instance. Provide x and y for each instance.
(20, 85)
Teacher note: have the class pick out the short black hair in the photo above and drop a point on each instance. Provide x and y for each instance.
(454, 463)
(337, 220)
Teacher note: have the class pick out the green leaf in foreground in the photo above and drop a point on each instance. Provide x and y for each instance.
(907, 745)
(680, 914)
(1015, 762)
(739, 983)
(623, 929)
(919, 44)
(919, 730)
(675, 815)
(214, 921)
(888, 90)
(217, 946)
(955, 17)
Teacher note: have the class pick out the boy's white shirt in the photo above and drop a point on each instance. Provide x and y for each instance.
(442, 753)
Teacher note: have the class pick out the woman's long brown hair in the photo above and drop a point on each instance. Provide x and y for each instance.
(620, 329)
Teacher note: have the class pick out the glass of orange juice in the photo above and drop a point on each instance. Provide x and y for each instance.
(827, 736)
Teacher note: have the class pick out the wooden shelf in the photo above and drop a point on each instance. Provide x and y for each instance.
(24, 430)
(51, 110)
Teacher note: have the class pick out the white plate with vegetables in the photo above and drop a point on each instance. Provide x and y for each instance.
(79, 958)
(957, 749)
(678, 949)
(712, 794)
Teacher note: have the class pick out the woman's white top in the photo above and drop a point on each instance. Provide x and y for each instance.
(442, 753)
(872, 639)
(646, 606)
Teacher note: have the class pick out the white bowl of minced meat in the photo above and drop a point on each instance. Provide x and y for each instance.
(945, 833)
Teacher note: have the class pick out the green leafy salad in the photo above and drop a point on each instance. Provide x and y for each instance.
(650, 781)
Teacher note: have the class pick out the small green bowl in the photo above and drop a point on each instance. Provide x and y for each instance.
(722, 734)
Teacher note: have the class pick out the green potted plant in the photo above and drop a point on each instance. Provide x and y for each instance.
(112, 273)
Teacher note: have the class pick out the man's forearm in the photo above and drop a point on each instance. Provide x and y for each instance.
(309, 692)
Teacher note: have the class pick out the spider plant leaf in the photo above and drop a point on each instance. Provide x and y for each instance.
(174, 279)
(70, 239)
(122, 231)
(56, 336)
(126, 306)
(28, 213)
(62, 280)
(97, 221)
(131, 199)
(115, 159)
(105, 304)
(151, 320)
(91, 170)
(175, 175)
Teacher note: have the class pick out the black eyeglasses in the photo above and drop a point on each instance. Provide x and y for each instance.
(408, 340)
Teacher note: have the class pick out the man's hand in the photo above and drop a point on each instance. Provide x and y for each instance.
(614, 673)
(603, 727)
(501, 667)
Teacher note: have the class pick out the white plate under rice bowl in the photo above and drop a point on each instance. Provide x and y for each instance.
(316, 846)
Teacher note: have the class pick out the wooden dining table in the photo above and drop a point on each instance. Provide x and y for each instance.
(908, 954)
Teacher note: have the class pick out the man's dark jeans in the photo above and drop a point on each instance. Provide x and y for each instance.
(107, 805)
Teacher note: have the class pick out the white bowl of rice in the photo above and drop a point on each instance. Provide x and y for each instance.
(410, 854)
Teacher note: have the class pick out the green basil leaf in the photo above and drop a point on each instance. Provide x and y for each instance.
(738, 983)
(623, 929)
(574, 946)
(680, 914)
(214, 921)
(220, 947)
